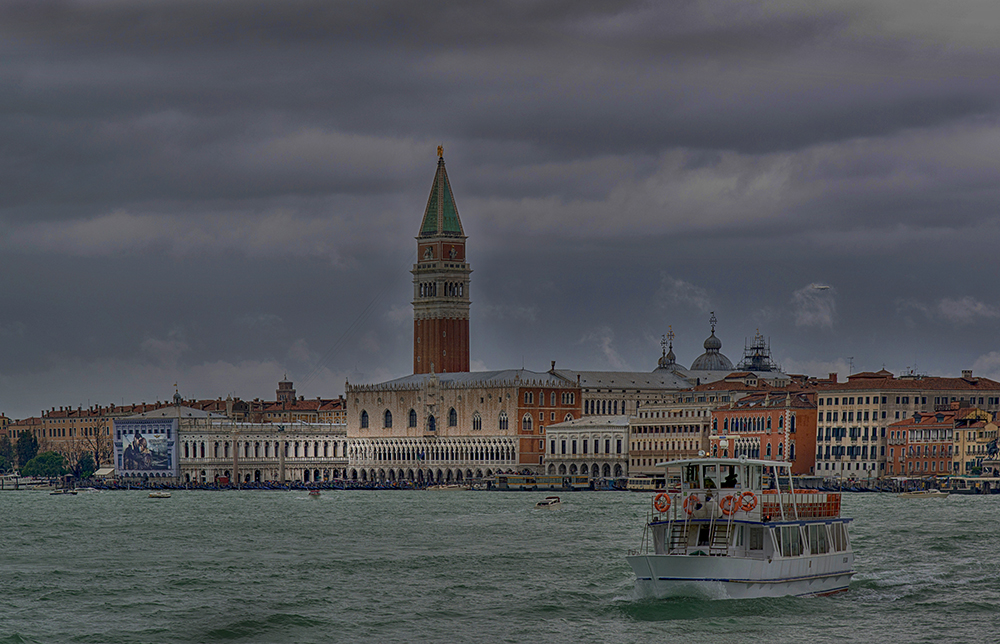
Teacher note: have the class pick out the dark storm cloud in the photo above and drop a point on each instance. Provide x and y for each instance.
(220, 192)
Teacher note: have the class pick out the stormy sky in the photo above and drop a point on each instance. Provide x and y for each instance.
(217, 193)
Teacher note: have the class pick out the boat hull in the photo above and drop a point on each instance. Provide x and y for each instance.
(741, 578)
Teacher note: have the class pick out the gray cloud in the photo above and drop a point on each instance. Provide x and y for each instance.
(217, 193)
(815, 305)
(677, 291)
(966, 310)
(608, 357)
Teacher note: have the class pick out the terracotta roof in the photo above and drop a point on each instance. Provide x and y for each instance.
(926, 419)
(303, 405)
(775, 398)
(868, 381)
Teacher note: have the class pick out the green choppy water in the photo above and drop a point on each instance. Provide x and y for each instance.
(412, 566)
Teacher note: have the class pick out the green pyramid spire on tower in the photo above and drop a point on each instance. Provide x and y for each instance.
(441, 215)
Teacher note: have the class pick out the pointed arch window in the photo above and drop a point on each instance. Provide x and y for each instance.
(477, 421)
(452, 418)
(503, 420)
(526, 423)
(431, 424)
(364, 419)
(387, 419)
(413, 418)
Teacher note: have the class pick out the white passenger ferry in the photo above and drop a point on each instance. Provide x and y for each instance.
(726, 535)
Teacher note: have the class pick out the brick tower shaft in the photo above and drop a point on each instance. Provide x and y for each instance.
(441, 284)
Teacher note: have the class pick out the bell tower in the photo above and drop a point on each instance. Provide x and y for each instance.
(441, 284)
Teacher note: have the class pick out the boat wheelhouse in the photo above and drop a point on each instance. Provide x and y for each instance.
(738, 529)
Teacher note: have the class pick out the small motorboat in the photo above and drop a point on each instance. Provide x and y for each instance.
(550, 502)
(923, 494)
(159, 495)
(62, 491)
(313, 493)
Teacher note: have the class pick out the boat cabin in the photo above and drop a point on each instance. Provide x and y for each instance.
(720, 476)
(744, 508)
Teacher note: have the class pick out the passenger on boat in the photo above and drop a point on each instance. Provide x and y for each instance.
(730, 480)
(707, 510)
(712, 508)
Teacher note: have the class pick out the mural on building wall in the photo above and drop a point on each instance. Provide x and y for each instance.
(146, 447)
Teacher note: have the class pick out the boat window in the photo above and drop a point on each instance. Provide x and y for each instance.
(731, 479)
(691, 476)
(711, 476)
(791, 541)
(756, 538)
(818, 543)
(776, 534)
(839, 537)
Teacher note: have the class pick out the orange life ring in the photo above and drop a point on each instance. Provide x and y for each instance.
(661, 503)
(748, 501)
(730, 504)
(690, 502)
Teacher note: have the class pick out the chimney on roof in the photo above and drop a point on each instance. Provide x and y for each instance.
(553, 366)
(833, 378)
(967, 374)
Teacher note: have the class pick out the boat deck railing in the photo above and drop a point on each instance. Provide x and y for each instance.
(722, 511)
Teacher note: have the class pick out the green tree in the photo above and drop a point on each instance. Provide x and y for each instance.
(85, 466)
(6, 453)
(26, 447)
(48, 464)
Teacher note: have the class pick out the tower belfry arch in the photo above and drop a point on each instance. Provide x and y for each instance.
(441, 284)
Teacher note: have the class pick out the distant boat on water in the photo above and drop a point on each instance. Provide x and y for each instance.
(923, 494)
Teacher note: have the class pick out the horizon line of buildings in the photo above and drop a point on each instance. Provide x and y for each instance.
(445, 423)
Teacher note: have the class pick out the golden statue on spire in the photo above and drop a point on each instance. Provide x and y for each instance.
(440, 151)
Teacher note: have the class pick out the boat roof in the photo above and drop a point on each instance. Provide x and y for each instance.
(724, 461)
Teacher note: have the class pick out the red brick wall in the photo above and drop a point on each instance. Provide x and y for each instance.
(531, 445)
(443, 343)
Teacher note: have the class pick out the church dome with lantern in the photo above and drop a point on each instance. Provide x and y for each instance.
(713, 358)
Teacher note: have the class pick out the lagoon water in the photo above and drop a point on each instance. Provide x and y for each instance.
(412, 566)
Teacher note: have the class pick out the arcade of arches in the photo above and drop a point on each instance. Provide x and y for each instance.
(430, 460)
(259, 453)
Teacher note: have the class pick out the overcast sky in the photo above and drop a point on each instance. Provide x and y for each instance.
(217, 193)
